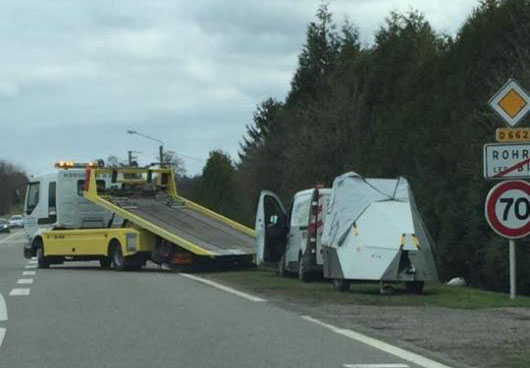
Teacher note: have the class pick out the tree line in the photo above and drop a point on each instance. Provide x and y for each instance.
(13, 181)
(413, 103)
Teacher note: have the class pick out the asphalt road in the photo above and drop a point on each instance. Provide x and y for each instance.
(79, 315)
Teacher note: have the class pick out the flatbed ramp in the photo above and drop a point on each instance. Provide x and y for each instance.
(187, 223)
(148, 199)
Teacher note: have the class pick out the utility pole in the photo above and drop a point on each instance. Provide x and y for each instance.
(161, 152)
(132, 159)
(160, 148)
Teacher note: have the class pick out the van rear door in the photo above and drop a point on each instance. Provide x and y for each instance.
(271, 228)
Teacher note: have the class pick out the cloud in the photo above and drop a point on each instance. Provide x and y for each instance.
(75, 74)
(8, 89)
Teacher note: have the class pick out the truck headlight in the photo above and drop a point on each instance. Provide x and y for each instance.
(131, 242)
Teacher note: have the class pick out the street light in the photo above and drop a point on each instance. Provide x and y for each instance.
(161, 148)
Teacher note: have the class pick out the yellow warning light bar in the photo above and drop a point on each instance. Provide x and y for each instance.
(76, 165)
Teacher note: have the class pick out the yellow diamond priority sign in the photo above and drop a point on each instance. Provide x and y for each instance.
(511, 102)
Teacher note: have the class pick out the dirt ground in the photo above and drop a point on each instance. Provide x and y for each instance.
(478, 338)
(481, 337)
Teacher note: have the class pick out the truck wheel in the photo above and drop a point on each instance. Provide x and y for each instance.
(41, 260)
(341, 285)
(415, 287)
(302, 273)
(105, 263)
(281, 266)
(118, 260)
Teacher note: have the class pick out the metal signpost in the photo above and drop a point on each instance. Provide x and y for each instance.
(508, 203)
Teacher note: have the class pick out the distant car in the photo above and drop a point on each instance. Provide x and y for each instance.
(4, 226)
(16, 221)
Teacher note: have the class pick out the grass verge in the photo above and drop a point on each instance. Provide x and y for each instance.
(267, 283)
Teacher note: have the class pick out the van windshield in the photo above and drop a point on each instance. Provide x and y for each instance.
(300, 215)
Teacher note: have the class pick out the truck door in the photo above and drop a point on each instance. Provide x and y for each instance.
(271, 228)
(31, 211)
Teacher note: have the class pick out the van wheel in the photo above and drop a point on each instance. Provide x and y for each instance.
(118, 260)
(415, 287)
(302, 273)
(341, 285)
(41, 260)
(281, 266)
(105, 263)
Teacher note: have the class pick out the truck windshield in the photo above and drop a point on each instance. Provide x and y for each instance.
(33, 196)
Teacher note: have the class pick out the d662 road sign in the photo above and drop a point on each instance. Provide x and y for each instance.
(508, 209)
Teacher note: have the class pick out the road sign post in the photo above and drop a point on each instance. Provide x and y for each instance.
(508, 213)
(512, 268)
(508, 204)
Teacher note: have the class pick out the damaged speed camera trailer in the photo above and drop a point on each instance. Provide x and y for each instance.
(292, 239)
(373, 231)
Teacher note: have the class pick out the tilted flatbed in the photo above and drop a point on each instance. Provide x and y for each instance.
(160, 210)
(177, 221)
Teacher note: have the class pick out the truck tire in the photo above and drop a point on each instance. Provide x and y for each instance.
(341, 285)
(118, 260)
(303, 275)
(415, 287)
(41, 260)
(105, 263)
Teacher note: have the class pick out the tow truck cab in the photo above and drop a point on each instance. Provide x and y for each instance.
(292, 240)
(56, 201)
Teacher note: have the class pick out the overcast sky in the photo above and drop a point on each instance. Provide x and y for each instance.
(76, 74)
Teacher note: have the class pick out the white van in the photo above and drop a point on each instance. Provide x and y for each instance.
(292, 239)
(55, 200)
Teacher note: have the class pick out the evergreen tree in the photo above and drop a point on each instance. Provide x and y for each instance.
(217, 191)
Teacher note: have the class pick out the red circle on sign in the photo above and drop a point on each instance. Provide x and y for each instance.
(491, 215)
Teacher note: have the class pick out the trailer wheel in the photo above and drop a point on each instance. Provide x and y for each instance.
(302, 273)
(415, 287)
(118, 260)
(42, 261)
(341, 285)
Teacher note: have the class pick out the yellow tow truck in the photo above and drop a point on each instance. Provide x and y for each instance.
(124, 217)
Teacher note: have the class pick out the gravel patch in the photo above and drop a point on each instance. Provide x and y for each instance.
(458, 337)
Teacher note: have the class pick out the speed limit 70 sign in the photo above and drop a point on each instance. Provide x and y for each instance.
(508, 208)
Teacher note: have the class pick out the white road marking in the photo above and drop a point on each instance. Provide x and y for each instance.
(224, 288)
(25, 281)
(3, 309)
(33, 258)
(378, 344)
(30, 266)
(11, 243)
(3, 317)
(6, 239)
(28, 273)
(17, 292)
(32, 262)
(2, 334)
(376, 366)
